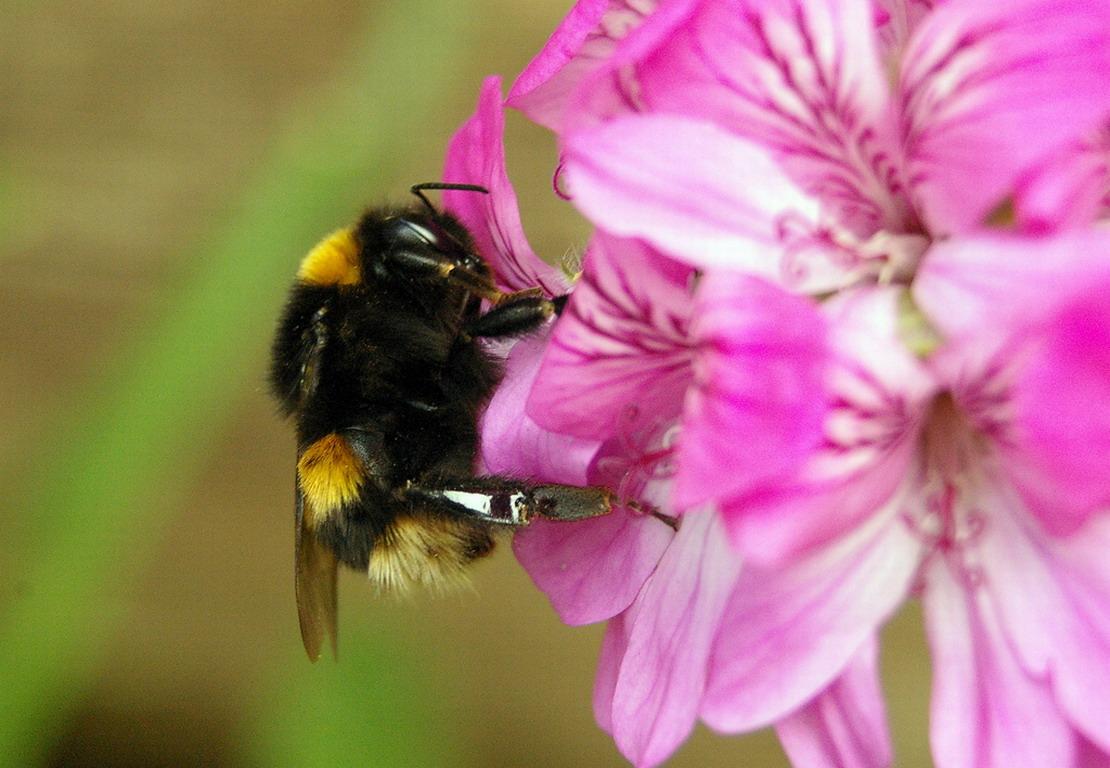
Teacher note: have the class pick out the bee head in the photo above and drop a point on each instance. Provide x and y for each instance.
(414, 247)
(421, 233)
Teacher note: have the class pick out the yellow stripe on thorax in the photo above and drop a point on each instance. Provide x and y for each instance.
(334, 261)
(330, 475)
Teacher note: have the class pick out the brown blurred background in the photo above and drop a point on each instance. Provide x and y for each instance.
(141, 143)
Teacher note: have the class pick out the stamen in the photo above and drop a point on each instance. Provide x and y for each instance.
(803, 241)
(645, 455)
(627, 82)
(885, 257)
(948, 523)
(951, 531)
(617, 24)
(899, 255)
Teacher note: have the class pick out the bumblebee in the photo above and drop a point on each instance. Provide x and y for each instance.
(379, 360)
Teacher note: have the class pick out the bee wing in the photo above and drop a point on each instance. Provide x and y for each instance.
(315, 576)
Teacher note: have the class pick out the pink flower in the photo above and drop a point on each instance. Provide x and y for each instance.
(933, 420)
(628, 567)
(636, 358)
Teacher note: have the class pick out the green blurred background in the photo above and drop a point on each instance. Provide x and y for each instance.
(162, 169)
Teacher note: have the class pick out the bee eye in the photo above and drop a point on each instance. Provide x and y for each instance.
(406, 232)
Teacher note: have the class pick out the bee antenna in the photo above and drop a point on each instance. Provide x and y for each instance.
(418, 190)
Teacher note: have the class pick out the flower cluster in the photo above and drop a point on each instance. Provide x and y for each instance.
(845, 316)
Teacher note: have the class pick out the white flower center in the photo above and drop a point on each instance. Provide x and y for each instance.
(827, 256)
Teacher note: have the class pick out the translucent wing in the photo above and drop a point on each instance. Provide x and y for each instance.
(315, 576)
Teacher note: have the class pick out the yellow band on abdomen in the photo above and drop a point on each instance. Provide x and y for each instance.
(330, 475)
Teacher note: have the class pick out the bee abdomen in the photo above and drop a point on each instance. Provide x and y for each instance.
(427, 551)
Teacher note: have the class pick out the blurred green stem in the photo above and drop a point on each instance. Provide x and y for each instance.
(136, 435)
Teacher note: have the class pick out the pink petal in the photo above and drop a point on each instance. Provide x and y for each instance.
(845, 725)
(877, 394)
(669, 632)
(757, 408)
(592, 570)
(788, 633)
(476, 155)
(687, 187)
(513, 444)
(774, 527)
(1071, 189)
(1030, 314)
(1091, 756)
(988, 285)
(895, 21)
(987, 711)
(1083, 650)
(612, 89)
(801, 80)
(1061, 422)
(990, 89)
(613, 647)
(1053, 598)
(620, 354)
(585, 39)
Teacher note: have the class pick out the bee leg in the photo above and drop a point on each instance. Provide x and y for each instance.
(517, 313)
(510, 502)
(430, 265)
(425, 264)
